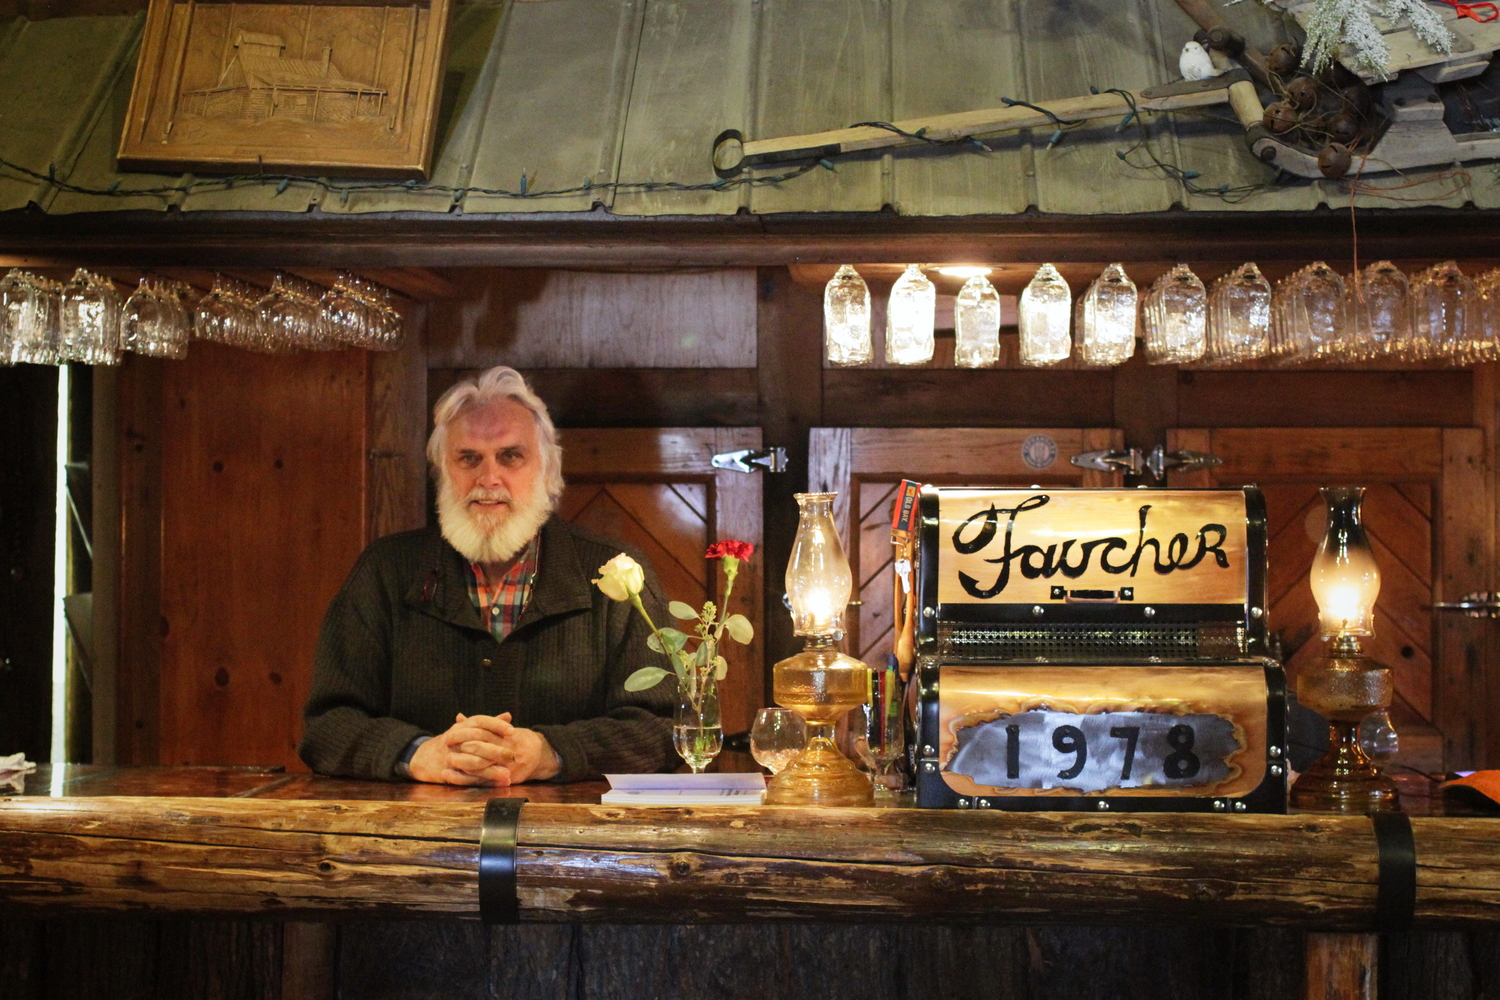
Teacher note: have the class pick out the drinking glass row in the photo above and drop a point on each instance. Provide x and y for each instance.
(1311, 315)
(86, 320)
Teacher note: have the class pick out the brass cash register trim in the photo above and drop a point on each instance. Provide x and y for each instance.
(971, 695)
(1168, 546)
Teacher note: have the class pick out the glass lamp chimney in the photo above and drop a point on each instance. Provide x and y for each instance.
(818, 580)
(1345, 580)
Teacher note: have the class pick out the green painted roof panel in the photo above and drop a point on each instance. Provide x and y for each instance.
(580, 95)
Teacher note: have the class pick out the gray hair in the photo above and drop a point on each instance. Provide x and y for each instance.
(484, 390)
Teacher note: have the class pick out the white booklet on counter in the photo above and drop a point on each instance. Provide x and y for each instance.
(684, 789)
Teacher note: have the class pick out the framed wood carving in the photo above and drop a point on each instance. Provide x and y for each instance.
(335, 87)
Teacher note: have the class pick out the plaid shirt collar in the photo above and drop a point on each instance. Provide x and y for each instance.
(500, 603)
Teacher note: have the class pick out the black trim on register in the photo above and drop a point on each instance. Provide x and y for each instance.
(1257, 642)
(498, 900)
(1396, 885)
(1090, 614)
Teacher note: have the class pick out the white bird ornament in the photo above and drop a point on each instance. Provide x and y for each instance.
(1195, 64)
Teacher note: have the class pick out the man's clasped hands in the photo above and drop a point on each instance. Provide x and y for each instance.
(484, 750)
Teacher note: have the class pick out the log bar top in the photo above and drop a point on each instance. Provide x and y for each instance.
(266, 854)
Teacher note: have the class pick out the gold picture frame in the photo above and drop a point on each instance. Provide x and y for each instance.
(341, 87)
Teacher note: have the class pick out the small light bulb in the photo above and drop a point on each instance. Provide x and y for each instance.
(964, 270)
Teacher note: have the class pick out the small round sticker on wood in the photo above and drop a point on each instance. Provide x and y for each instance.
(1039, 451)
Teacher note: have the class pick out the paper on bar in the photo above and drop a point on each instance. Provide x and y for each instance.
(684, 789)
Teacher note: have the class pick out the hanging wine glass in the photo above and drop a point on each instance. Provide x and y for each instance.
(1239, 316)
(1044, 316)
(976, 324)
(909, 319)
(32, 308)
(1176, 318)
(90, 320)
(1106, 320)
(846, 319)
(1379, 311)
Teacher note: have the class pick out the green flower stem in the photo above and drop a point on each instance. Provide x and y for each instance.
(672, 658)
(731, 570)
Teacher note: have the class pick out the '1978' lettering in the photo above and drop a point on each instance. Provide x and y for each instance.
(1035, 561)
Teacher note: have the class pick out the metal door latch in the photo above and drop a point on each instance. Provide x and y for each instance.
(766, 459)
(1134, 462)
(1479, 604)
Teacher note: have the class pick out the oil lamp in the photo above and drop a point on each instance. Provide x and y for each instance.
(1345, 686)
(819, 683)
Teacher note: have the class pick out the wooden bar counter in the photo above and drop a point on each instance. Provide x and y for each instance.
(257, 843)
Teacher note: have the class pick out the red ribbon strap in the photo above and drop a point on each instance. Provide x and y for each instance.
(1468, 9)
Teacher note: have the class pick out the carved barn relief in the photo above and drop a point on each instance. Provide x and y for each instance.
(338, 88)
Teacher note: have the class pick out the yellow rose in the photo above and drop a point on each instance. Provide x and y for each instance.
(621, 578)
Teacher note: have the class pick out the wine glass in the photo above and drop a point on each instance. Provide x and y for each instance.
(877, 735)
(779, 734)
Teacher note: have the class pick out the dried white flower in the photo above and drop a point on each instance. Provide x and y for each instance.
(1335, 24)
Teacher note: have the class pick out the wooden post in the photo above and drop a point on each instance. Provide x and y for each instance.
(1341, 966)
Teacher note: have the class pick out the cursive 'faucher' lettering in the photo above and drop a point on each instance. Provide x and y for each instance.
(1071, 558)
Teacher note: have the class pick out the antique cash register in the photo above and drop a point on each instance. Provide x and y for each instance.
(1098, 649)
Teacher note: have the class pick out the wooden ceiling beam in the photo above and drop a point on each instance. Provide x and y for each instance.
(160, 240)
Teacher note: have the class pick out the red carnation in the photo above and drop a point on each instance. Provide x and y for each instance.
(739, 550)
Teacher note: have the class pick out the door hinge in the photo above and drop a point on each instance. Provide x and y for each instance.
(1479, 604)
(1134, 462)
(747, 460)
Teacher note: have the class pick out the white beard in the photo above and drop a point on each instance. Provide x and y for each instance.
(490, 535)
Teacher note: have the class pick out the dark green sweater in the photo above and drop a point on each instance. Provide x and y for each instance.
(402, 651)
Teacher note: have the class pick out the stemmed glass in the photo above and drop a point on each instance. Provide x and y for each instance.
(876, 734)
(779, 734)
(154, 320)
(289, 315)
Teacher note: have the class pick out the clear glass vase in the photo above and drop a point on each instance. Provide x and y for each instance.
(697, 729)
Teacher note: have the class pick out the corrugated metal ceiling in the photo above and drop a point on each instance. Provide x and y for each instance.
(568, 93)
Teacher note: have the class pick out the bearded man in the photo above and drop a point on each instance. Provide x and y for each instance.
(477, 652)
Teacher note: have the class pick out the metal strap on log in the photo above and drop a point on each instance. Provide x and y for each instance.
(332, 860)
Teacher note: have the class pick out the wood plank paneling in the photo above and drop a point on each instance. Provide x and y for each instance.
(262, 519)
(1436, 662)
(982, 398)
(1328, 398)
(635, 397)
(1368, 454)
(581, 319)
(396, 449)
(1466, 690)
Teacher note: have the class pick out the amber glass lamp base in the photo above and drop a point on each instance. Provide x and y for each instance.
(820, 684)
(1344, 780)
(821, 776)
(1345, 687)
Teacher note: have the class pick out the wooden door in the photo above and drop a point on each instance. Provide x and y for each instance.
(657, 489)
(864, 465)
(1425, 512)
